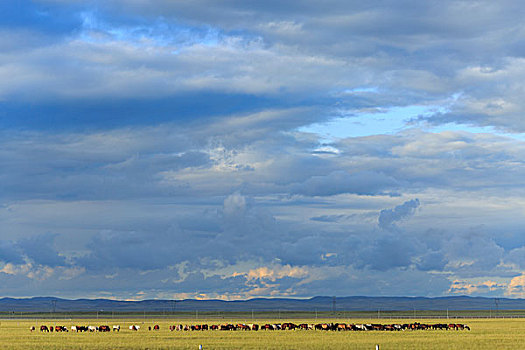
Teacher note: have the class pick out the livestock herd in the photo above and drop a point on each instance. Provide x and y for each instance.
(269, 327)
(103, 328)
(322, 327)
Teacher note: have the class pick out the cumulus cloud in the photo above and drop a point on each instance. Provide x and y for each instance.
(516, 287)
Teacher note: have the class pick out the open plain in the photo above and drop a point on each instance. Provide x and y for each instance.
(484, 334)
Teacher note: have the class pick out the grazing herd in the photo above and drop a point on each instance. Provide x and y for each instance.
(102, 328)
(322, 326)
(269, 327)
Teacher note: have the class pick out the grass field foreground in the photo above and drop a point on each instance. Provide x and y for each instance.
(485, 334)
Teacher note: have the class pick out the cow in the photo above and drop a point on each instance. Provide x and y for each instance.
(44, 329)
(156, 327)
(92, 328)
(116, 328)
(32, 328)
(104, 328)
(134, 327)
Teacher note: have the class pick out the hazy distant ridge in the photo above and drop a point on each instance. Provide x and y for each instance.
(356, 303)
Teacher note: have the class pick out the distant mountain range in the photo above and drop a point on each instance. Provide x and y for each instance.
(320, 303)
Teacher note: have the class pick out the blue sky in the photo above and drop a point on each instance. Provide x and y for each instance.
(161, 149)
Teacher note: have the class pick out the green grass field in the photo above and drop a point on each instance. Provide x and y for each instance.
(485, 334)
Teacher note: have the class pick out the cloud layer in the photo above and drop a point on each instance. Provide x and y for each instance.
(170, 149)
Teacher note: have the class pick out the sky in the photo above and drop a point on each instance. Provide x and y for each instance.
(240, 149)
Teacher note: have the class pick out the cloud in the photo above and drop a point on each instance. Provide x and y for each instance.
(480, 288)
(10, 253)
(338, 182)
(387, 252)
(331, 218)
(388, 217)
(473, 253)
(162, 146)
(40, 249)
(431, 261)
(516, 287)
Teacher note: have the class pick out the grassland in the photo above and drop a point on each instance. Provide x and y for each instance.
(485, 334)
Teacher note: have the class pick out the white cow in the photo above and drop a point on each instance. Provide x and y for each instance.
(134, 327)
(92, 328)
(116, 328)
